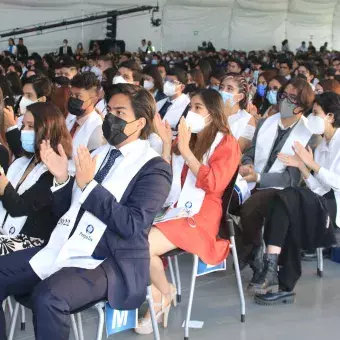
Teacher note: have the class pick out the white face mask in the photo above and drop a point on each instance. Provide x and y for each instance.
(24, 102)
(316, 124)
(195, 122)
(148, 85)
(169, 89)
(167, 58)
(118, 80)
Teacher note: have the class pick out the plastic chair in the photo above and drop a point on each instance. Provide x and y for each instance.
(176, 280)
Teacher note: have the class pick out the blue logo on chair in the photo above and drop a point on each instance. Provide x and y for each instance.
(204, 268)
(11, 230)
(89, 229)
(120, 320)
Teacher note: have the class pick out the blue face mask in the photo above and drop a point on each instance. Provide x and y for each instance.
(28, 140)
(215, 87)
(272, 97)
(154, 62)
(227, 96)
(261, 90)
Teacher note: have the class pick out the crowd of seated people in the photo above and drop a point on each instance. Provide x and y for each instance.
(94, 148)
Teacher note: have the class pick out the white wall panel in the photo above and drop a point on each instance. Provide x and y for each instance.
(236, 24)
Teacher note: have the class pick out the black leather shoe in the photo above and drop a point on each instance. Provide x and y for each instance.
(271, 299)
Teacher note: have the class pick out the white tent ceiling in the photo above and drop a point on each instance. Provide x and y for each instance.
(231, 24)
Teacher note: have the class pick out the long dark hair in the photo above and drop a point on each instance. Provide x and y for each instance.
(152, 71)
(49, 123)
(198, 78)
(214, 104)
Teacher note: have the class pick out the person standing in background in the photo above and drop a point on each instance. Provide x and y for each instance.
(22, 49)
(150, 48)
(65, 49)
(11, 47)
(285, 46)
(143, 47)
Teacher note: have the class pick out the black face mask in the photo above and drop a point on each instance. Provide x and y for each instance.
(75, 106)
(190, 88)
(113, 129)
(61, 80)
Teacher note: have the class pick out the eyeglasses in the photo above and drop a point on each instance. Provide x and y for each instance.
(274, 88)
(172, 81)
(292, 98)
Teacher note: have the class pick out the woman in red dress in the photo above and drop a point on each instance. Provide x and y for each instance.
(204, 159)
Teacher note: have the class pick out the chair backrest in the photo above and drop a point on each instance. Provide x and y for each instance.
(226, 199)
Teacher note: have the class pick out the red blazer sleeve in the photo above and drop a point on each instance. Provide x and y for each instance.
(221, 167)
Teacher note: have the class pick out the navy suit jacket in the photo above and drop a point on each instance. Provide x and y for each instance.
(125, 242)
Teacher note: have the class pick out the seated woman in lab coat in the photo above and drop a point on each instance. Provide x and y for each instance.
(303, 217)
(26, 217)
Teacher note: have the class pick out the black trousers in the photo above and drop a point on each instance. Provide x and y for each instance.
(253, 213)
(278, 233)
(52, 299)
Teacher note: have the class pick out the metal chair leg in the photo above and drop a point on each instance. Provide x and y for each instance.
(319, 254)
(23, 318)
(191, 297)
(152, 314)
(13, 321)
(178, 281)
(100, 322)
(74, 327)
(80, 326)
(238, 278)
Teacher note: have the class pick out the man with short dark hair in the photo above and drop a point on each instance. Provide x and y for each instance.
(104, 63)
(128, 72)
(286, 69)
(235, 66)
(22, 49)
(176, 104)
(68, 68)
(83, 122)
(99, 249)
(65, 49)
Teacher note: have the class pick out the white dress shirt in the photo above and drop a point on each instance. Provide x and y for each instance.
(327, 156)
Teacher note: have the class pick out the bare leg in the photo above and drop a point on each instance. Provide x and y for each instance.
(159, 245)
(274, 250)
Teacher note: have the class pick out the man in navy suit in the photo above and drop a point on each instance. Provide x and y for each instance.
(105, 212)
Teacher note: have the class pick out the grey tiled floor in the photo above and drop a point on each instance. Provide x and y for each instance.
(315, 314)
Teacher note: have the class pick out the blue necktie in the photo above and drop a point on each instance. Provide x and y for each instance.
(165, 109)
(101, 174)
